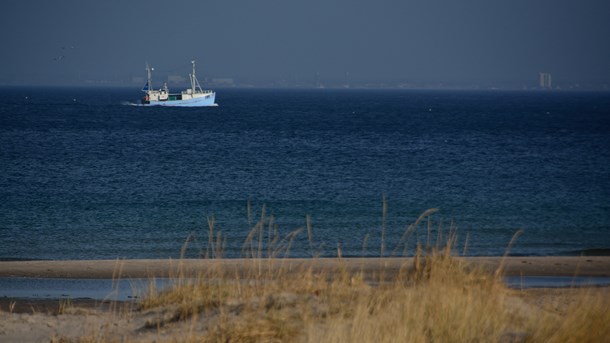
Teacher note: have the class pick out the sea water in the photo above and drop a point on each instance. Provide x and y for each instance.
(85, 176)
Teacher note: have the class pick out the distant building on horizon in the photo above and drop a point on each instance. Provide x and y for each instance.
(176, 79)
(222, 82)
(546, 81)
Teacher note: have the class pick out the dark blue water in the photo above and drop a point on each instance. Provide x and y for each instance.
(84, 176)
(61, 288)
(125, 290)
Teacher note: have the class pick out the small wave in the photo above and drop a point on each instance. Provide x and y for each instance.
(20, 259)
(129, 103)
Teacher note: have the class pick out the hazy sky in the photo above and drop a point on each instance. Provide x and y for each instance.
(449, 41)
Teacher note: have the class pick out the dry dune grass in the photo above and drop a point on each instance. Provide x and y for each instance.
(585, 319)
(442, 301)
(437, 298)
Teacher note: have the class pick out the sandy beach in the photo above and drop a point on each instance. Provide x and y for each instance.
(34, 320)
(589, 266)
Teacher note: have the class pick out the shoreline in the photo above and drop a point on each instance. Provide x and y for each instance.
(67, 318)
(567, 266)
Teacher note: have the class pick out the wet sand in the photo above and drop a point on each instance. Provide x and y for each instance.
(53, 306)
(585, 266)
(372, 268)
(35, 320)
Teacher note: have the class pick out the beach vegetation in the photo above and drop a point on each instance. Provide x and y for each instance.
(431, 297)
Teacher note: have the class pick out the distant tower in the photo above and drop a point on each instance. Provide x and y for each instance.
(347, 79)
(546, 81)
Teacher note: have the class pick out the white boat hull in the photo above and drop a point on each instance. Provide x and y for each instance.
(207, 100)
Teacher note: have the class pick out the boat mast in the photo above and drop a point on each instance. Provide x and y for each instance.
(193, 77)
(149, 78)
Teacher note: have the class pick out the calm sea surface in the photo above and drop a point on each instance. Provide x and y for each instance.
(83, 176)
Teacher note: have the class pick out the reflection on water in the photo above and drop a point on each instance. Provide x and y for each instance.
(99, 289)
(555, 281)
(107, 289)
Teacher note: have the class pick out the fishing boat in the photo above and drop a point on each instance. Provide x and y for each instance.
(190, 97)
